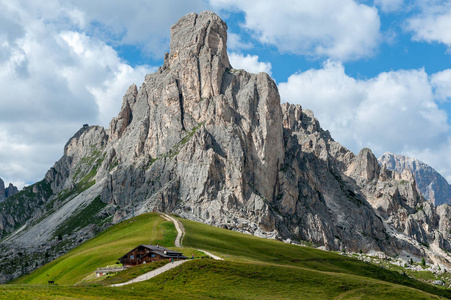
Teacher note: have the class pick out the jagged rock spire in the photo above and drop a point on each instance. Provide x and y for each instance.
(198, 53)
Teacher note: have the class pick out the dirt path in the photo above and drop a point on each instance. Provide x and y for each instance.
(211, 255)
(181, 234)
(151, 274)
(178, 226)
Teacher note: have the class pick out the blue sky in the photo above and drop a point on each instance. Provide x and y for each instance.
(375, 73)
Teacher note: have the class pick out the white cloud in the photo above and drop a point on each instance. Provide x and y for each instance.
(249, 63)
(104, 75)
(394, 111)
(389, 5)
(432, 24)
(341, 29)
(53, 79)
(437, 156)
(441, 81)
(144, 23)
(234, 42)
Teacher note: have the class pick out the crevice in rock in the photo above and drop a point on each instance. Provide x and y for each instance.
(204, 37)
(200, 78)
(182, 112)
(195, 19)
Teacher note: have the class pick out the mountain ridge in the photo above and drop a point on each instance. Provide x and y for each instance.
(430, 183)
(8, 191)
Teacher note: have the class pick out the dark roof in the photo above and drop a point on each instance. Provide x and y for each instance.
(160, 251)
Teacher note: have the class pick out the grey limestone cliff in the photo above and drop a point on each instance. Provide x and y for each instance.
(213, 144)
(8, 191)
(430, 183)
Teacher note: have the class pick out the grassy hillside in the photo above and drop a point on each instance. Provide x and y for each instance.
(208, 279)
(104, 250)
(254, 268)
(240, 247)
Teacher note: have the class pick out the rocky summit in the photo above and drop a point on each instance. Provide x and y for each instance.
(8, 191)
(214, 144)
(430, 183)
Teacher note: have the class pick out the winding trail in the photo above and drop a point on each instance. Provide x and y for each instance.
(152, 274)
(211, 255)
(178, 226)
(181, 233)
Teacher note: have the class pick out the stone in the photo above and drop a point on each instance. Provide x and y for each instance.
(8, 191)
(430, 183)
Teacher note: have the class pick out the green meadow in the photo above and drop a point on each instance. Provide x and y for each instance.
(253, 268)
(104, 250)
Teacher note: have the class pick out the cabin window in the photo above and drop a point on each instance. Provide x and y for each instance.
(132, 256)
(152, 255)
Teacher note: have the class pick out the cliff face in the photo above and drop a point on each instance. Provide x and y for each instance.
(430, 183)
(8, 191)
(213, 144)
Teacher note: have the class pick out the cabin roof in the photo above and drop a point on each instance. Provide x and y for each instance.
(158, 250)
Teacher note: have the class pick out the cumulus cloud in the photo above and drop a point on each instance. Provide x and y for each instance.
(234, 42)
(249, 63)
(389, 5)
(53, 79)
(437, 156)
(395, 111)
(342, 29)
(441, 81)
(432, 23)
(142, 23)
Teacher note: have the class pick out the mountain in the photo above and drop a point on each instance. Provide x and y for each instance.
(213, 144)
(430, 183)
(7, 192)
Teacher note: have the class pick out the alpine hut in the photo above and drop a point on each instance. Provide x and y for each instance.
(148, 253)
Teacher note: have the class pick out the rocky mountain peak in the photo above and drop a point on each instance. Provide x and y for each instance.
(431, 184)
(199, 47)
(8, 191)
(365, 166)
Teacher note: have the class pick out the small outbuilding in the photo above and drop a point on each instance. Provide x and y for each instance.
(149, 253)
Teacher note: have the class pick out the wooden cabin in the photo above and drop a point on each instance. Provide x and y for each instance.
(149, 253)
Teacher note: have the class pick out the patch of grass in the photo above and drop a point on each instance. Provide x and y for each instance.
(424, 244)
(102, 250)
(168, 234)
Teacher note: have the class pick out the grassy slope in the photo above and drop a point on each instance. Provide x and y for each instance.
(256, 269)
(244, 248)
(104, 250)
(207, 279)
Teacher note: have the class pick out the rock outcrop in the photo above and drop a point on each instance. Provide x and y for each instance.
(214, 144)
(431, 184)
(8, 191)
